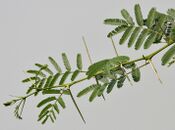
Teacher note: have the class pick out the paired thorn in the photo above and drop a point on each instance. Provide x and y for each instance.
(76, 105)
(155, 70)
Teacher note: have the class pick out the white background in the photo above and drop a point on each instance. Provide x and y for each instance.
(32, 30)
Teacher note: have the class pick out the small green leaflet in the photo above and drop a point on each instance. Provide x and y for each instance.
(56, 66)
(117, 30)
(86, 90)
(61, 102)
(55, 106)
(94, 93)
(66, 62)
(151, 18)
(138, 15)
(51, 91)
(150, 40)
(79, 62)
(126, 34)
(136, 74)
(127, 16)
(47, 100)
(115, 22)
(64, 77)
(47, 84)
(141, 39)
(134, 36)
(54, 79)
(75, 74)
(111, 85)
(120, 82)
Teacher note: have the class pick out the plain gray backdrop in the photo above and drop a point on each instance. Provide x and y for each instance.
(32, 30)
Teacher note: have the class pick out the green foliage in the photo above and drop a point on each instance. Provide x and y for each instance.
(149, 31)
(108, 73)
